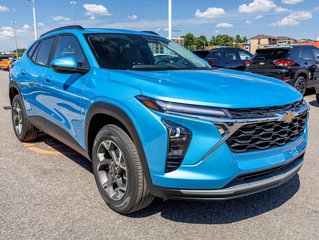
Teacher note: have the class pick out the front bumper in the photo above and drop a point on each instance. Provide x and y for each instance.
(241, 186)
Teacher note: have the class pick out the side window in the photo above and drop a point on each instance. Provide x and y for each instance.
(307, 54)
(43, 55)
(216, 55)
(32, 49)
(243, 55)
(316, 53)
(230, 55)
(69, 46)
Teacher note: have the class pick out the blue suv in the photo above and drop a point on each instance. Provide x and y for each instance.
(155, 119)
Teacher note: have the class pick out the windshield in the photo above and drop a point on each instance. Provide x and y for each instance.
(142, 52)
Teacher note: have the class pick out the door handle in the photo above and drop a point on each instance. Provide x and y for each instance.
(23, 72)
(48, 78)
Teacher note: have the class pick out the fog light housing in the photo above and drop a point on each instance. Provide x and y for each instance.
(179, 139)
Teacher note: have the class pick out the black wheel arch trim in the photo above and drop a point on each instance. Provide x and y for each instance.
(120, 115)
(301, 71)
(15, 85)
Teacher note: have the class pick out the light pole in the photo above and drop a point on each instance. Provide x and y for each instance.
(34, 20)
(15, 32)
(204, 44)
(73, 3)
(170, 19)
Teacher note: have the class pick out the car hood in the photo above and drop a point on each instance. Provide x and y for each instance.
(219, 88)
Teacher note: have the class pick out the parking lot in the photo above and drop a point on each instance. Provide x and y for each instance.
(47, 191)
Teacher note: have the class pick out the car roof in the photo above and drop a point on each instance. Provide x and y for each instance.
(80, 29)
(219, 48)
(270, 47)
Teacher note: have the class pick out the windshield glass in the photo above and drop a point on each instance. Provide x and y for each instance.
(272, 54)
(142, 52)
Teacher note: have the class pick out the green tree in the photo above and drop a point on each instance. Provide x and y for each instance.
(245, 39)
(201, 42)
(238, 39)
(222, 40)
(189, 40)
(20, 52)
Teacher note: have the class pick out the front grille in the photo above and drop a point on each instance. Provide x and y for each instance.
(248, 113)
(266, 135)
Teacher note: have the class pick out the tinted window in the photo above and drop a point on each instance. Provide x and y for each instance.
(316, 53)
(307, 54)
(231, 55)
(272, 54)
(69, 46)
(139, 52)
(44, 51)
(216, 54)
(32, 49)
(244, 55)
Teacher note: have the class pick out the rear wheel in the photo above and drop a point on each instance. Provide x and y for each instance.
(22, 128)
(118, 171)
(301, 85)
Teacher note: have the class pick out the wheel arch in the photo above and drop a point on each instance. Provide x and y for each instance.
(112, 114)
(14, 89)
(302, 72)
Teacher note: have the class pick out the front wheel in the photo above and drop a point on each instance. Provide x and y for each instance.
(301, 85)
(118, 171)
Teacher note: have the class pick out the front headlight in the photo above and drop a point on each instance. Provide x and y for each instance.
(182, 109)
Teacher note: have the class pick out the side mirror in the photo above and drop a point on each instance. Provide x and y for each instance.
(67, 65)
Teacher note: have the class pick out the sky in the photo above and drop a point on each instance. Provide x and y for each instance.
(294, 18)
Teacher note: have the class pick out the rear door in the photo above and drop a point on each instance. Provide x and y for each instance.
(64, 98)
(216, 58)
(232, 60)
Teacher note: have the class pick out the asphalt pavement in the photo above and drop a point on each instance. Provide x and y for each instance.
(47, 191)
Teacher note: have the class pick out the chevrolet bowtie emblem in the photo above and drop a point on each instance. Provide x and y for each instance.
(288, 117)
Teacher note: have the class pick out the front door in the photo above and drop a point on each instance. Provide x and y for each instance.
(64, 99)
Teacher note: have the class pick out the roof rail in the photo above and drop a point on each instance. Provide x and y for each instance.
(151, 32)
(274, 46)
(76, 27)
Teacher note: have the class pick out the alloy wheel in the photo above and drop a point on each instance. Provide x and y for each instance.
(112, 171)
(17, 118)
(301, 85)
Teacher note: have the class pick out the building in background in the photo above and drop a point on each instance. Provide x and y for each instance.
(283, 40)
(244, 46)
(180, 41)
(261, 40)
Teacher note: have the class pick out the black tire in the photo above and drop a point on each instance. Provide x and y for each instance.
(317, 97)
(137, 195)
(301, 84)
(26, 132)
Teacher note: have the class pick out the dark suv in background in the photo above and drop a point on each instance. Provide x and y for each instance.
(231, 58)
(293, 64)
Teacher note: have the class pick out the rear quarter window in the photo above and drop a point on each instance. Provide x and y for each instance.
(43, 55)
